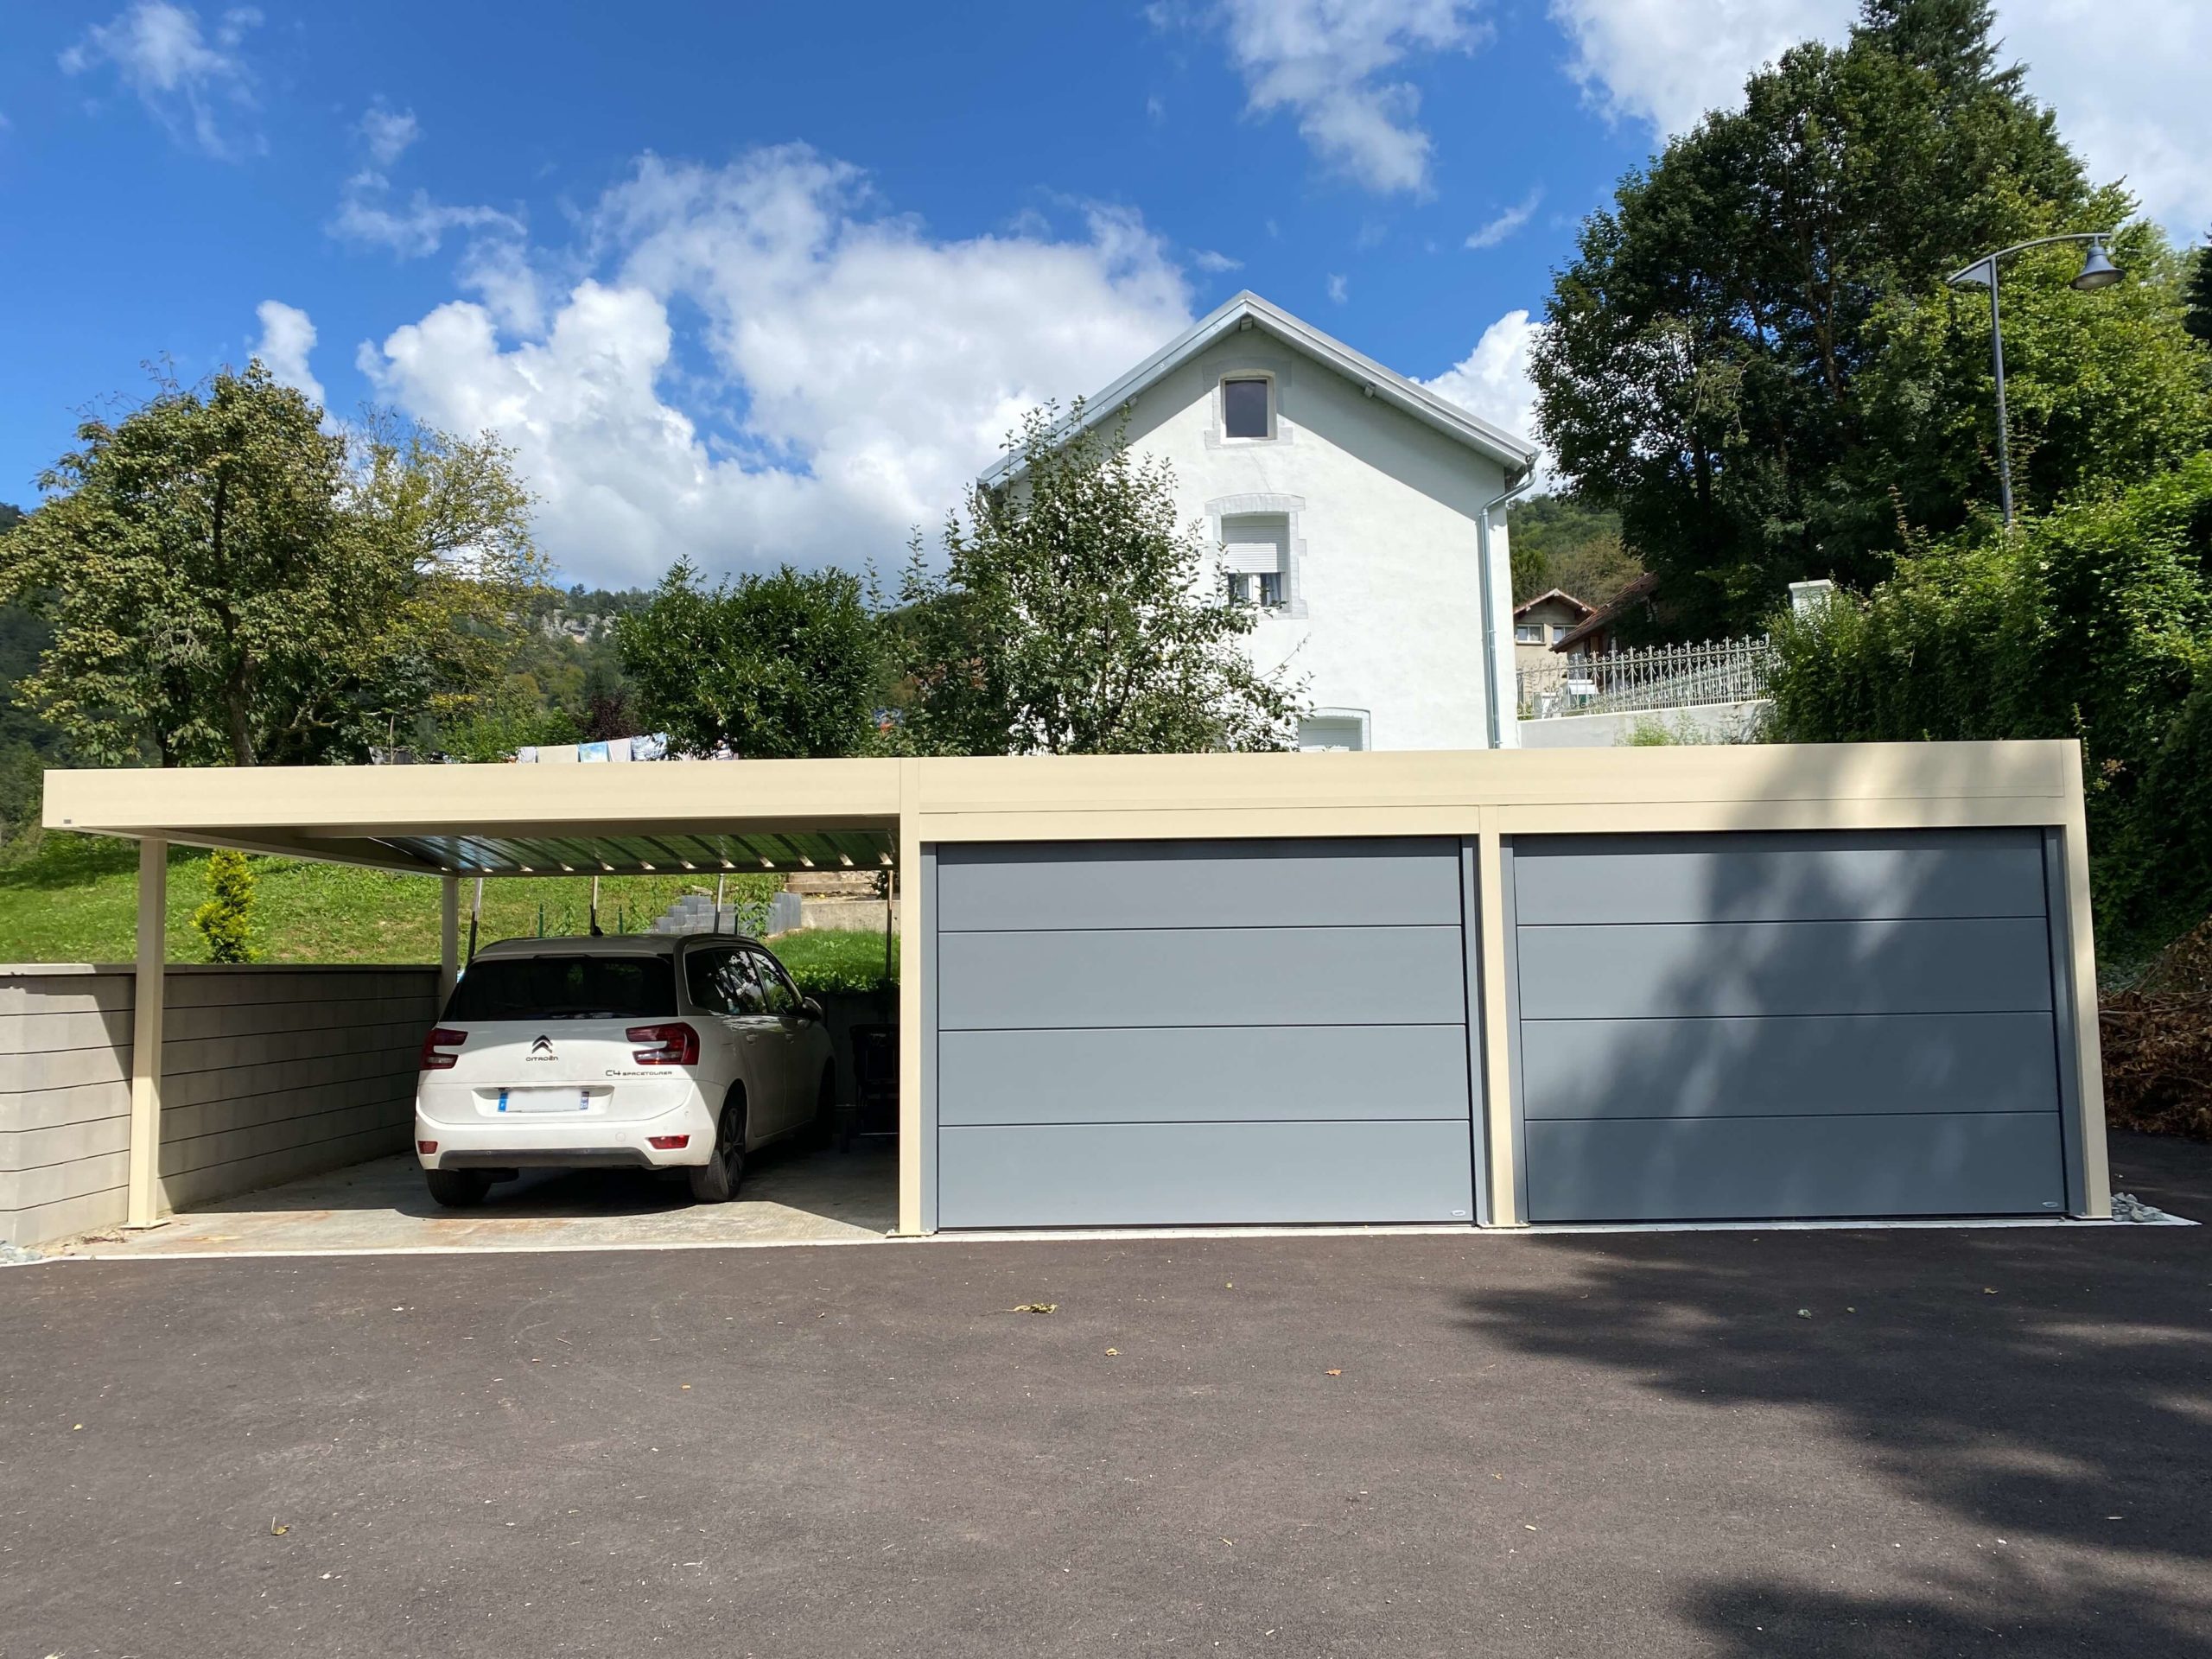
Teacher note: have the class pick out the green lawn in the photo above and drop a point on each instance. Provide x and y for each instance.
(69, 898)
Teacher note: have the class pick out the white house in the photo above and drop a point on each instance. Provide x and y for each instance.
(1361, 512)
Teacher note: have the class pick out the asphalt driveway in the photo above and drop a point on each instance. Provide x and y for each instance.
(1967, 1443)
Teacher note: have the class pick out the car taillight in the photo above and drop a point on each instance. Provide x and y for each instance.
(668, 1142)
(428, 1148)
(674, 1045)
(435, 1058)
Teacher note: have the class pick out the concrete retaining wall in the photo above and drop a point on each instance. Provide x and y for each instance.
(1711, 722)
(269, 1073)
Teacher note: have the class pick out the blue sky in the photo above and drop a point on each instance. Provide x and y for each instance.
(757, 283)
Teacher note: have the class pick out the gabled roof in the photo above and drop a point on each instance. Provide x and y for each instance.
(1553, 593)
(1516, 454)
(1611, 610)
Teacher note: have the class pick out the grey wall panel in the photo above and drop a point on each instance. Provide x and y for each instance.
(1673, 971)
(1165, 1175)
(1199, 884)
(1201, 1074)
(1201, 976)
(1810, 1064)
(1778, 877)
(1745, 1169)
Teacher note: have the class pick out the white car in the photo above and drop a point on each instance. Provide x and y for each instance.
(646, 1051)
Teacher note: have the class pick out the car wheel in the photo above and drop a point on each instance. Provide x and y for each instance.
(457, 1189)
(715, 1180)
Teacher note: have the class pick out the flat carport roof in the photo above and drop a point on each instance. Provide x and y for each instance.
(533, 820)
(510, 820)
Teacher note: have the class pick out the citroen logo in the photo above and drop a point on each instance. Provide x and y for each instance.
(542, 1047)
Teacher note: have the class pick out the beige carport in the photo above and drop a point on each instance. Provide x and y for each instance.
(707, 816)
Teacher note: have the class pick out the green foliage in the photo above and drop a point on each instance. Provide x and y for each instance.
(226, 921)
(821, 962)
(1560, 541)
(1074, 617)
(2197, 296)
(777, 666)
(509, 718)
(2093, 622)
(2101, 389)
(1701, 373)
(227, 582)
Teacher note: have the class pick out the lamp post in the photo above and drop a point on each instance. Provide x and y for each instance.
(2097, 271)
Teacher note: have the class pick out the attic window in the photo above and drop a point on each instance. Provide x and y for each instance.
(1244, 408)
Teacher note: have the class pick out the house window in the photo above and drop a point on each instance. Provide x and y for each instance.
(1527, 633)
(1244, 408)
(1558, 632)
(1253, 549)
(1334, 729)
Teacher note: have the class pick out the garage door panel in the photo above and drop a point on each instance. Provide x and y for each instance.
(1166, 1174)
(1184, 1074)
(1687, 969)
(1729, 1169)
(1795, 1066)
(1781, 878)
(1201, 976)
(1199, 884)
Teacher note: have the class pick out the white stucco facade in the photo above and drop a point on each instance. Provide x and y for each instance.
(1381, 603)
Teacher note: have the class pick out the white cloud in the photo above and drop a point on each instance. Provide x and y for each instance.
(388, 133)
(1664, 64)
(1339, 288)
(849, 375)
(194, 85)
(2125, 76)
(287, 337)
(1493, 380)
(371, 213)
(1507, 224)
(1215, 263)
(1328, 62)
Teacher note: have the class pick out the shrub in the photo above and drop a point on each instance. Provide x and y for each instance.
(2095, 622)
(226, 920)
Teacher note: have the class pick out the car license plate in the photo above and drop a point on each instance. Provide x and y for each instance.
(544, 1100)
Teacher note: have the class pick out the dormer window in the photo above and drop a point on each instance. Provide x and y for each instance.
(1247, 407)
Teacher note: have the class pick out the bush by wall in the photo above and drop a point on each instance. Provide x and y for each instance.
(2094, 621)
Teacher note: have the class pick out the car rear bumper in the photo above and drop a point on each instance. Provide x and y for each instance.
(573, 1143)
(564, 1158)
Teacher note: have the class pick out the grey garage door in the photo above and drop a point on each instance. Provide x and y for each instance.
(1155, 1033)
(1771, 1026)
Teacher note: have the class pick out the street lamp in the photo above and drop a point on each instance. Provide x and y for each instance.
(2097, 271)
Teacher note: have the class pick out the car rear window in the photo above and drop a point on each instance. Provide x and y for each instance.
(566, 988)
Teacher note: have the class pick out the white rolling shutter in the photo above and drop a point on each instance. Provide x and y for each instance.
(1254, 546)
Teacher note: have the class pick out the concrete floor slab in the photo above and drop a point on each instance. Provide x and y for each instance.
(822, 1197)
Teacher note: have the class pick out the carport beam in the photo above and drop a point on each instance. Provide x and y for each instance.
(448, 935)
(143, 1206)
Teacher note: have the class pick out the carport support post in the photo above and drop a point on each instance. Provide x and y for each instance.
(144, 1206)
(448, 935)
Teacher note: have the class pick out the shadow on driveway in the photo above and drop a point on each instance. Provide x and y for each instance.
(2057, 1410)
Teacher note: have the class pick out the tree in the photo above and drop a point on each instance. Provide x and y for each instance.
(226, 921)
(2101, 390)
(1074, 617)
(1700, 370)
(2093, 621)
(1559, 541)
(2198, 298)
(777, 666)
(228, 582)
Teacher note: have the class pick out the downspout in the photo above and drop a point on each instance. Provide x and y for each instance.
(1491, 693)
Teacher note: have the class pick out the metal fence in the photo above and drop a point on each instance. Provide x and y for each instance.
(1659, 677)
